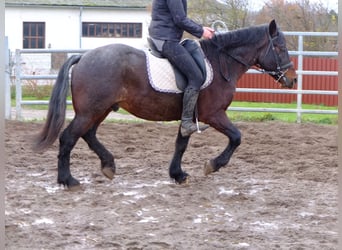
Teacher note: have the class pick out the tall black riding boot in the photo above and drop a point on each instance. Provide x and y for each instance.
(189, 102)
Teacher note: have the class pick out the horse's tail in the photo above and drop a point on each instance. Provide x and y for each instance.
(57, 106)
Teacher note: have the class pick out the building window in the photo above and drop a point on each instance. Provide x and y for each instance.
(119, 30)
(34, 35)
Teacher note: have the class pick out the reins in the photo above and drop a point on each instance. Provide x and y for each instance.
(278, 74)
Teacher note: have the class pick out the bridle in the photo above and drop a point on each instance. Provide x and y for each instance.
(281, 69)
(278, 74)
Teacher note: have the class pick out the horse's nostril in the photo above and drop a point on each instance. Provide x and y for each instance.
(295, 80)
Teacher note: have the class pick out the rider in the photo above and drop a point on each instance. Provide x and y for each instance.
(169, 21)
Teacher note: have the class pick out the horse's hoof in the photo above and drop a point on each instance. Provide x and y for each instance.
(208, 168)
(75, 188)
(108, 172)
(184, 180)
(70, 183)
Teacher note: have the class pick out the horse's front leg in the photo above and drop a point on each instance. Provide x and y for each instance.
(225, 126)
(175, 170)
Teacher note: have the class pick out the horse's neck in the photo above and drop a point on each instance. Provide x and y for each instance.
(245, 56)
(233, 52)
(233, 64)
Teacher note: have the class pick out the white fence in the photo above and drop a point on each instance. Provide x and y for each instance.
(19, 76)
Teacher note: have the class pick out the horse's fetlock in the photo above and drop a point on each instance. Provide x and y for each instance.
(237, 142)
(236, 139)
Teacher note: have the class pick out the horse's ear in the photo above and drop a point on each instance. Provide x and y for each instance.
(273, 28)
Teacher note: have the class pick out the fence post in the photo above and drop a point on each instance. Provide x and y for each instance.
(300, 78)
(18, 94)
(7, 81)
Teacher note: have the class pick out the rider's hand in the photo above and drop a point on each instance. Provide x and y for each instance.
(208, 33)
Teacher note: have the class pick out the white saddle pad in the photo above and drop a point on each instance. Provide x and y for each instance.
(162, 77)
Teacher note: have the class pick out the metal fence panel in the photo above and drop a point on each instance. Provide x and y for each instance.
(320, 75)
(317, 81)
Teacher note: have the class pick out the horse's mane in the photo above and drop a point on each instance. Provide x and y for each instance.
(233, 39)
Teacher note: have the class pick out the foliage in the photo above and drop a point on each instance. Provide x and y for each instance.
(33, 91)
(303, 16)
(299, 16)
(232, 12)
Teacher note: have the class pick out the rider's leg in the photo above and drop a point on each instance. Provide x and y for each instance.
(181, 58)
(189, 103)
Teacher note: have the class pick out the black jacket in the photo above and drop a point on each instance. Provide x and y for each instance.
(169, 21)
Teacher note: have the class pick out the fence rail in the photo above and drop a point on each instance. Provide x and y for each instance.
(19, 77)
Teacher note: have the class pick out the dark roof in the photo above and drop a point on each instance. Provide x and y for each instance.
(84, 3)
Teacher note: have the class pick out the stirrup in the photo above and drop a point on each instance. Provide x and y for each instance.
(192, 128)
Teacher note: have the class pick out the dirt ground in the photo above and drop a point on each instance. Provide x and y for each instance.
(278, 192)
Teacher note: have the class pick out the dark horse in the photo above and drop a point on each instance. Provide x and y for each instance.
(113, 76)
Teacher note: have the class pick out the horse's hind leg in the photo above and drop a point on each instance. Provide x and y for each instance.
(107, 159)
(175, 170)
(67, 141)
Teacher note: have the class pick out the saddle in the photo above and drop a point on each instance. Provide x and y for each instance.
(195, 51)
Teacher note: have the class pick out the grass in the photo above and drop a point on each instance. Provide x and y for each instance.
(270, 116)
(29, 94)
(254, 116)
(286, 117)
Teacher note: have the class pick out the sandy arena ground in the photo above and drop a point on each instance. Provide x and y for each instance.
(278, 192)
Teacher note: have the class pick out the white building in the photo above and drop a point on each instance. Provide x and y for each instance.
(75, 24)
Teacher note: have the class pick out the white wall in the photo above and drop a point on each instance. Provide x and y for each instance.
(91, 15)
(63, 31)
(63, 26)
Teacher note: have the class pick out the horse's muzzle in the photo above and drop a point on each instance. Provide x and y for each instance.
(288, 79)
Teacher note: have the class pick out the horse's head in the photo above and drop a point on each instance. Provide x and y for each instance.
(274, 58)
